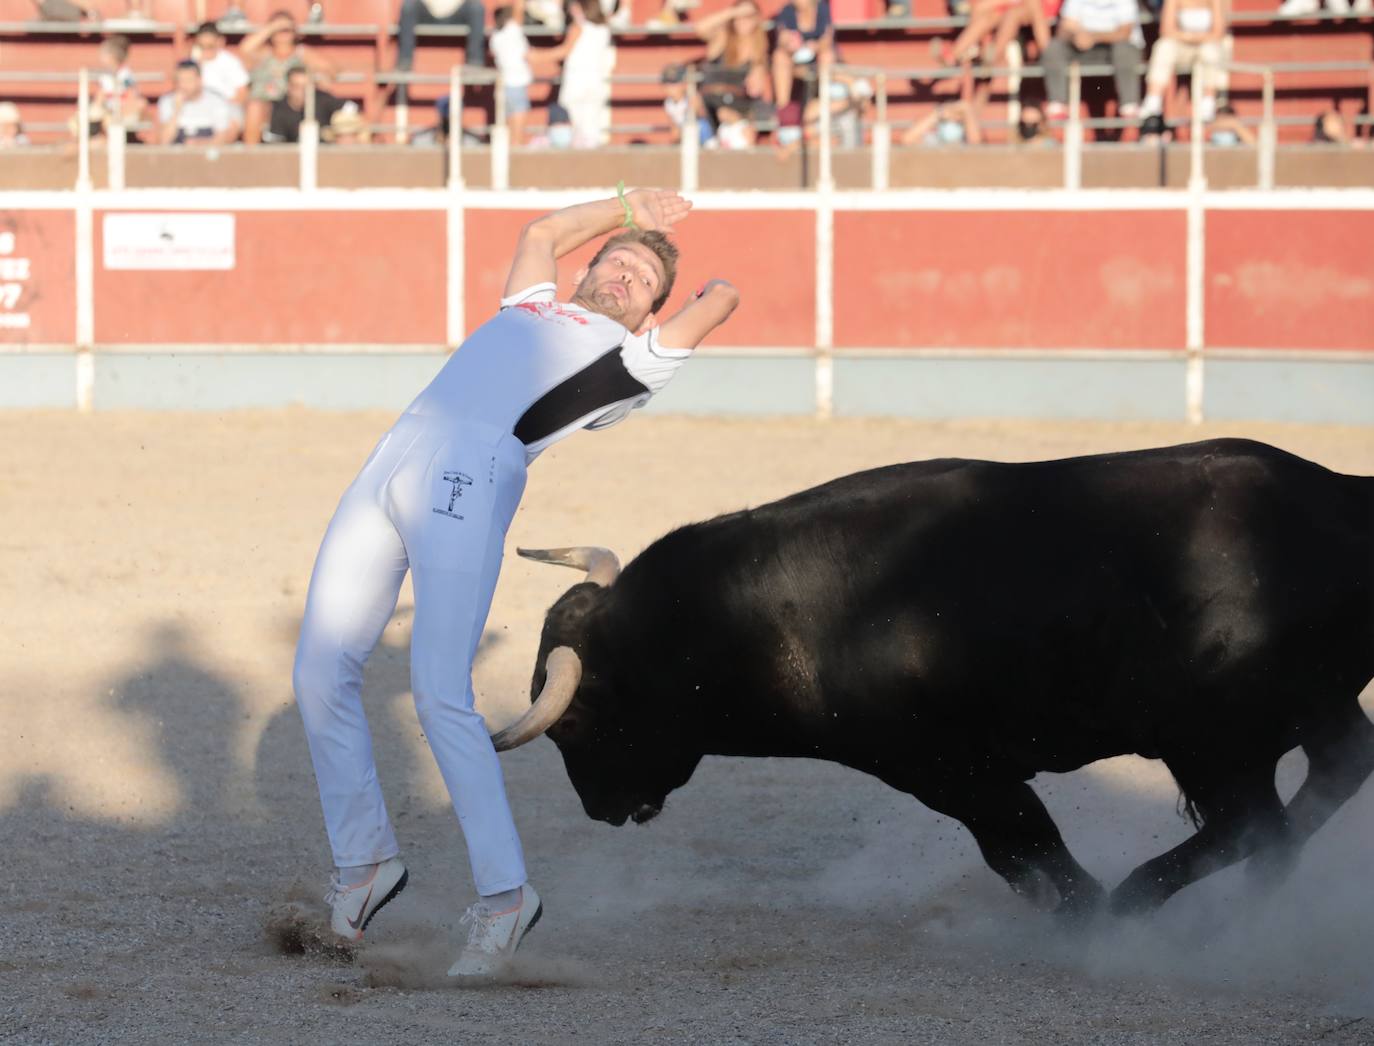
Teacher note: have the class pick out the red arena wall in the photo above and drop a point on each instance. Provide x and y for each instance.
(1290, 280)
(37, 286)
(1010, 279)
(926, 278)
(309, 277)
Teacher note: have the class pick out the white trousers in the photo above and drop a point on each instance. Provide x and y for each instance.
(435, 497)
(1170, 55)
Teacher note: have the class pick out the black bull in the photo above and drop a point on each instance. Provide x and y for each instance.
(954, 627)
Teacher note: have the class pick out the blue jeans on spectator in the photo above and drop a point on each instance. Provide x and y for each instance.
(415, 13)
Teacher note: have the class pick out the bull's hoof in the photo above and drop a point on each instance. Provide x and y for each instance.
(1142, 892)
(1078, 907)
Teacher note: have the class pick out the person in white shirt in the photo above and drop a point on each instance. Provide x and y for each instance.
(510, 50)
(435, 498)
(1095, 31)
(220, 69)
(190, 114)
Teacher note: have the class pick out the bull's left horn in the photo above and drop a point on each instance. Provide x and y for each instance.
(563, 671)
(601, 565)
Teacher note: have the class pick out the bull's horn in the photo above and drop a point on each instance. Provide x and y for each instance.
(600, 563)
(563, 671)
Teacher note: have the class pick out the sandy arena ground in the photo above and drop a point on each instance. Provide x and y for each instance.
(156, 800)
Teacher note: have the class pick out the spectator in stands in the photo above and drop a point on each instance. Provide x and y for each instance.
(270, 53)
(849, 98)
(678, 105)
(348, 126)
(11, 127)
(510, 50)
(1190, 37)
(1227, 130)
(999, 22)
(1030, 126)
(288, 112)
(734, 74)
(588, 58)
(952, 123)
(220, 69)
(191, 114)
(1331, 128)
(117, 97)
(468, 13)
(805, 36)
(1092, 31)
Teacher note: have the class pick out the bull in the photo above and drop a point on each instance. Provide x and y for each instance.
(954, 627)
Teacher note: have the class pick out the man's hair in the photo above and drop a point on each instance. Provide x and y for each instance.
(118, 45)
(187, 63)
(501, 16)
(658, 242)
(209, 27)
(297, 70)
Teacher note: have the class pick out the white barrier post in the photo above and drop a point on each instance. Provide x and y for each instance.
(1073, 133)
(1268, 135)
(83, 130)
(1197, 140)
(882, 139)
(500, 141)
(114, 155)
(824, 180)
(455, 128)
(689, 176)
(309, 143)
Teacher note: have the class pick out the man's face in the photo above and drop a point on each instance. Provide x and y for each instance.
(209, 44)
(295, 90)
(623, 286)
(188, 83)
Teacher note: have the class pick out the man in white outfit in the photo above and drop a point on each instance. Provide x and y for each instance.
(436, 497)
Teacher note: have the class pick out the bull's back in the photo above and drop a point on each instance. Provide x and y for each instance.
(1064, 599)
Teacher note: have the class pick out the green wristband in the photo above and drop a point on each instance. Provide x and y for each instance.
(629, 222)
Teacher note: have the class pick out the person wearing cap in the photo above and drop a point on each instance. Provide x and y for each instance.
(220, 69)
(11, 127)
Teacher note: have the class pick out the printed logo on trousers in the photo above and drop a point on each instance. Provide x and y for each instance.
(459, 480)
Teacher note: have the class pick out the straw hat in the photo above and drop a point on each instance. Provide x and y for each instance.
(349, 121)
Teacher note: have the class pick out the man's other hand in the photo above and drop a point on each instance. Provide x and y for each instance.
(657, 208)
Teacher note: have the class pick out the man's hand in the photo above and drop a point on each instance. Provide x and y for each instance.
(657, 208)
(708, 309)
(1082, 40)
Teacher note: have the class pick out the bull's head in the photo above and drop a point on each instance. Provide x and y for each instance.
(618, 764)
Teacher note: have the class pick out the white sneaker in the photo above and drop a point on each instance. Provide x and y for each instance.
(1340, 7)
(1299, 7)
(352, 907)
(494, 936)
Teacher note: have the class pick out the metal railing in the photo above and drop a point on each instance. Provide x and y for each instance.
(880, 129)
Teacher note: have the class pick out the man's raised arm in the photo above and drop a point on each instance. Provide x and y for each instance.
(699, 317)
(545, 240)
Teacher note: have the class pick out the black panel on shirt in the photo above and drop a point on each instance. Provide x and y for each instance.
(601, 383)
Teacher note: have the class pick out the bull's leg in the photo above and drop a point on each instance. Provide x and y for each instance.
(1340, 757)
(1241, 813)
(1019, 840)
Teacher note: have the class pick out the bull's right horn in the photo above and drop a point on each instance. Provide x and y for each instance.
(600, 563)
(563, 671)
